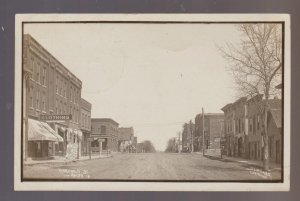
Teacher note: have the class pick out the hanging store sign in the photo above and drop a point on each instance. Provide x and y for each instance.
(56, 118)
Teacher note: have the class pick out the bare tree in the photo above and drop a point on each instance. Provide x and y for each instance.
(148, 146)
(171, 146)
(256, 65)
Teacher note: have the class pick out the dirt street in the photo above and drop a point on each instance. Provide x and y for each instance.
(156, 166)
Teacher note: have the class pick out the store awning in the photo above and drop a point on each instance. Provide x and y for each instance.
(38, 130)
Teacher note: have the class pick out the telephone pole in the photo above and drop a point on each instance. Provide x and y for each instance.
(179, 143)
(192, 135)
(203, 133)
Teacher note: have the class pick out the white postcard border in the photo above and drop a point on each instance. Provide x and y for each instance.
(149, 186)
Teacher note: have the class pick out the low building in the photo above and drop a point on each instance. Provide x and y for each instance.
(104, 131)
(213, 131)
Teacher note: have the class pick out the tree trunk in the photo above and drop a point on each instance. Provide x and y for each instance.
(265, 137)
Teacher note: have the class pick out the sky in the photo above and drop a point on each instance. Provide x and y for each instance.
(153, 77)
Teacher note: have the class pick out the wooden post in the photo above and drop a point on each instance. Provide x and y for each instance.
(100, 148)
(192, 135)
(203, 133)
(89, 147)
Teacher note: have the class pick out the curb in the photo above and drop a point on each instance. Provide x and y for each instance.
(66, 162)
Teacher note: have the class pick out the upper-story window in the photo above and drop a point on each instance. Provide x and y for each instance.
(43, 102)
(44, 76)
(243, 125)
(37, 77)
(31, 97)
(250, 124)
(103, 129)
(37, 99)
(56, 85)
(56, 106)
(65, 88)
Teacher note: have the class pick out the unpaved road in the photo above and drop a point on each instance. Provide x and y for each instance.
(149, 166)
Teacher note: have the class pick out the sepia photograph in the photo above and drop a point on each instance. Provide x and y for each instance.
(152, 102)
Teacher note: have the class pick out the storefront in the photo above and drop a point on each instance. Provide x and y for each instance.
(41, 140)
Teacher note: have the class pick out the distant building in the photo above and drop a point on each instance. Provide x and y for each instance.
(85, 124)
(125, 139)
(140, 148)
(107, 130)
(213, 131)
(188, 129)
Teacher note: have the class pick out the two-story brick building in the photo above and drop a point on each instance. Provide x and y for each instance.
(244, 127)
(255, 116)
(236, 127)
(213, 130)
(107, 130)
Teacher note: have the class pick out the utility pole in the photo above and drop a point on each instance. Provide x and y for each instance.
(203, 133)
(192, 135)
(179, 144)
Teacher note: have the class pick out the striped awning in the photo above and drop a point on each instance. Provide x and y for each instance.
(38, 131)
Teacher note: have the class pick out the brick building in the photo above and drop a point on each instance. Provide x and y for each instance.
(107, 130)
(236, 128)
(49, 88)
(126, 139)
(213, 131)
(85, 125)
(255, 116)
(244, 127)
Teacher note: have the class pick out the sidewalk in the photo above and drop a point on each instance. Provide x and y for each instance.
(258, 164)
(61, 159)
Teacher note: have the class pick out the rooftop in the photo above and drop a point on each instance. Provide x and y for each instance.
(105, 120)
(125, 133)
